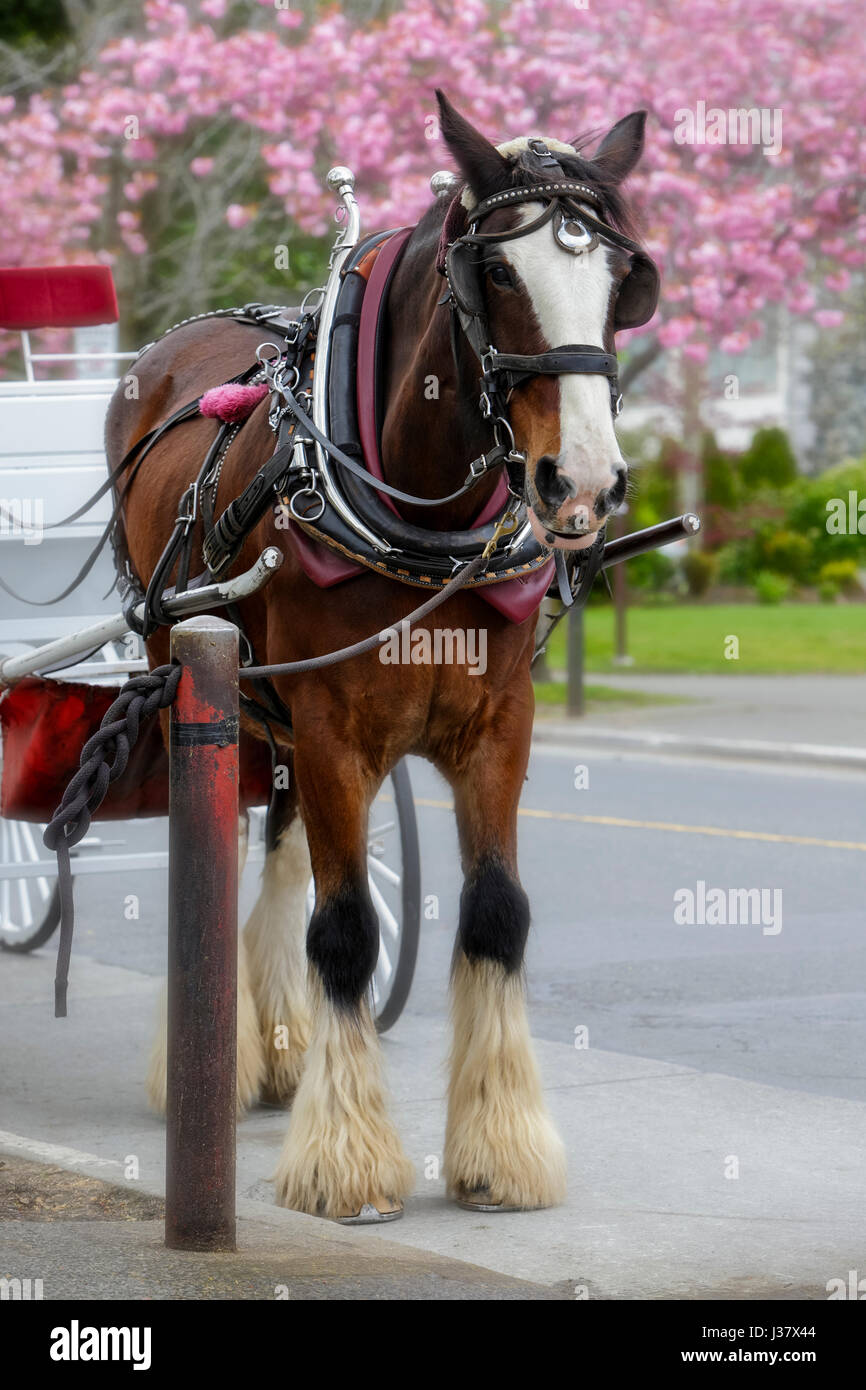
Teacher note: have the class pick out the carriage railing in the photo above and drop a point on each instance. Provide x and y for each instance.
(30, 357)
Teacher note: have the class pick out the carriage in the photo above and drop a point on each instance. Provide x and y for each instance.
(52, 459)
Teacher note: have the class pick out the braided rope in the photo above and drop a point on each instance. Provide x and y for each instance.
(104, 758)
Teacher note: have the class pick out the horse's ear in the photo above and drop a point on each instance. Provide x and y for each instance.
(622, 147)
(482, 166)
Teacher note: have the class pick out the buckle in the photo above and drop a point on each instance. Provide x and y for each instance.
(189, 500)
(488, 366)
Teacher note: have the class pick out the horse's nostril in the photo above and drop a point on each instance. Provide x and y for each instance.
(551, 484)
(613, 496)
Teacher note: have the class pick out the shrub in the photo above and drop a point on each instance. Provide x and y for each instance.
(808, 513)
(770, 587)
(699, 569)
(736, 563)
(651, 571)
(769, 461)
(788, 552)
(840, 575)
(720, 472)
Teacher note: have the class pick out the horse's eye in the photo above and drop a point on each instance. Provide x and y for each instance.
(500, 274)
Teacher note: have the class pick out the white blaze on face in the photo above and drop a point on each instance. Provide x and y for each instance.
(570, 295)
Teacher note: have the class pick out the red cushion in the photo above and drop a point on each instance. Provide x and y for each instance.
(57, 296)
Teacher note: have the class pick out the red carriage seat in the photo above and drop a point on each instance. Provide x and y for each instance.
(56, 296)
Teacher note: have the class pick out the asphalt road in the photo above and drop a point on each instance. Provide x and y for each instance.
(715, 1122)
(606, 954)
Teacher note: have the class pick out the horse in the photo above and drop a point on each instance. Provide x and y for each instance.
(342, 1157)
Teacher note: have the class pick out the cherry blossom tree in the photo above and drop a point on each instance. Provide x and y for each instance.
(196, 140)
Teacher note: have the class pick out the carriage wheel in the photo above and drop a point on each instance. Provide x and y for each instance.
(394, 876)
(29, 907)
(398, 936)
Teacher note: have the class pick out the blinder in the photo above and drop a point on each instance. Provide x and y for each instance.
(638, 294)
(463, 272)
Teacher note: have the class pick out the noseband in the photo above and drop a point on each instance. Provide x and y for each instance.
(576, 231)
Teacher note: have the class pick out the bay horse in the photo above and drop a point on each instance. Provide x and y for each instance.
(342, 1156)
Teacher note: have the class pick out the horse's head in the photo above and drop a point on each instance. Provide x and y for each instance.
(561, 283)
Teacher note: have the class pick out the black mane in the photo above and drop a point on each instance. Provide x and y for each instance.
(526, 170)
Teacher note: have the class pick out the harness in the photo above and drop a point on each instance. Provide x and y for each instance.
(318, 471)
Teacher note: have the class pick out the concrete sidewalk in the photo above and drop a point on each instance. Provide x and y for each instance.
(682, 1183)
(281, 1255)
(802, 719)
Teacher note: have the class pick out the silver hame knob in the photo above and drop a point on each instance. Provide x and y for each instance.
(340, 177)
(443, 183)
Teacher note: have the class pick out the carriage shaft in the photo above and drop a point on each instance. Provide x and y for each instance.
(113, 628)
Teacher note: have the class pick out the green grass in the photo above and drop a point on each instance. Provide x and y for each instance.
(788, 639)
(553, 693)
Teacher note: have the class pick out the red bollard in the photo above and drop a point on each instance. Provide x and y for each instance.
(202, 939)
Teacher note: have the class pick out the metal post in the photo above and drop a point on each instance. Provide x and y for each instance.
(620, 596)
(202, 939)
(574, 692)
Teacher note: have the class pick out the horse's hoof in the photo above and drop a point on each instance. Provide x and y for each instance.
(371, 1215)
(269, 1096)
(478, 1199)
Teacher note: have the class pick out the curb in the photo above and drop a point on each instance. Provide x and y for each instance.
(578, 735)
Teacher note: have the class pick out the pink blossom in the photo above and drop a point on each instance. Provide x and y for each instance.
(828, 318)
(238, 216)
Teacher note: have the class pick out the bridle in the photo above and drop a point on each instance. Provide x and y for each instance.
(577, 231)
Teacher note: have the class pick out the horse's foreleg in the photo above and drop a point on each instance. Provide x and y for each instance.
(274, 938)
(251, 1060)
(501, 1148)
(342, 1157)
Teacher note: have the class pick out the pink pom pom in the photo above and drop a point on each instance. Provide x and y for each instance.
(232, 402)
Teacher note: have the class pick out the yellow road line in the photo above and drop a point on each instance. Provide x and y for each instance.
(623, 823)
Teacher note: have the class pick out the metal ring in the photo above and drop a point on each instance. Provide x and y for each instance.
(320, 291)
(268, 361)
(501, 423)
(310, 491)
